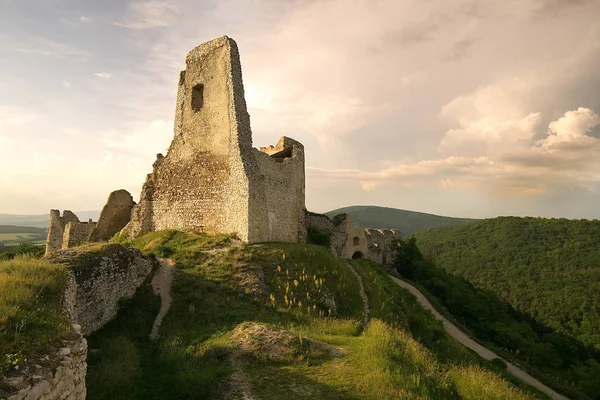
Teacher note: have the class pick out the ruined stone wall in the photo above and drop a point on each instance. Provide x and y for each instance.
(101, 279)
(77, 233)
(282, 182)
(210, 179)
(349, 239)
(381, 245)
(114, 216)
(67, 381)
(65, 231)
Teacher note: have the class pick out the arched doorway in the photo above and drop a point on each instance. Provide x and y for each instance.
(357, 255)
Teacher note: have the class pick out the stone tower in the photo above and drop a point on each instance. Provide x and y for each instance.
(212, 179)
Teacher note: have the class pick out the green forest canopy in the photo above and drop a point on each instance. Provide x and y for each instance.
(546, 268)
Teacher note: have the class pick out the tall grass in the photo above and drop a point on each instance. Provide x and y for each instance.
(403, 353)
(32, 321)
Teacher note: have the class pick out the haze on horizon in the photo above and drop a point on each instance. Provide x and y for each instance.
(463, 108)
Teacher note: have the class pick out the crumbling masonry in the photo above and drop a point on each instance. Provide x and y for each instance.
(212, 179)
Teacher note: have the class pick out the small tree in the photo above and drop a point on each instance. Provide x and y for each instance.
(407, 254)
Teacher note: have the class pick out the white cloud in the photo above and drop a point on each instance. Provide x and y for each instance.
(67, 84)
(572, 126)
(568, 157)
(84, 19)
(151, 14)
(103, 75)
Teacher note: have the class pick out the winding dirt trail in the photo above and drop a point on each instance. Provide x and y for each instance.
(473, 345)
(161, 285)
(363, 295)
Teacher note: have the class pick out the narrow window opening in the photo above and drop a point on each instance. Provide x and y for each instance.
(356, 241)
(197, 97)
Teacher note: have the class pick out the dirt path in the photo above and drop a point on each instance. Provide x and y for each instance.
(161, 285)
(473, 345)
(365, 299)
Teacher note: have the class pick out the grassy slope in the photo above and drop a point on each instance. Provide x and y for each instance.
(407, 222)
(404, 352)
(31, 319)
(546, 268)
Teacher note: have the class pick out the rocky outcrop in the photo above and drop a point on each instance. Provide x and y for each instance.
(101, 276)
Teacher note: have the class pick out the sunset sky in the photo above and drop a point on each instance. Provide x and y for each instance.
(460, 108)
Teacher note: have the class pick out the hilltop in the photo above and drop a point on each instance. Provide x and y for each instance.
(407, 222)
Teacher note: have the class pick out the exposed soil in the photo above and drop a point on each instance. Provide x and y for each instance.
(473, 345)
(161, 285)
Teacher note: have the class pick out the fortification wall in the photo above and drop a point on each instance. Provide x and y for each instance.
(380, 245)
(210, 179)
(200, 183)
(100, 279)
(282, 182)
(67, 381)
(114, 216)
(77, 233)
(350, 240)
(66, 231)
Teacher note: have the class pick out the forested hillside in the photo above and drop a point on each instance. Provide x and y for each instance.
(546, 268)
(406, 222)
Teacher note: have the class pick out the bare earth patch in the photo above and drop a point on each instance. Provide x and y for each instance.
(161, 285)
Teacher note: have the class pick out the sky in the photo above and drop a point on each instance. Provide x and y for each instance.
(461, 108)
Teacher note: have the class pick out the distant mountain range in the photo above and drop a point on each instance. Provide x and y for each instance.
(406, 222)
(41, 220)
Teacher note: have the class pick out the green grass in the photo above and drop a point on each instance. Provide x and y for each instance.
(302, 289)
(32, 321)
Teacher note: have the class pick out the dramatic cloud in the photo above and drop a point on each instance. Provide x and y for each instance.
(452, 107)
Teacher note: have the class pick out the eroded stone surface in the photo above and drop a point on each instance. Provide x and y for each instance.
(114, 216)
(212, 179)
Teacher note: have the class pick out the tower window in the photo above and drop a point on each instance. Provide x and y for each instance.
(197, 97)
(356, 241)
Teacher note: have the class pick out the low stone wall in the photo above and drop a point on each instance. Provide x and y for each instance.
(67, 381)
(101, 278)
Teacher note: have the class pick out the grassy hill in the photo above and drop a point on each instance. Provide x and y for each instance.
(40, 220)
(280, 320)
(407, 222)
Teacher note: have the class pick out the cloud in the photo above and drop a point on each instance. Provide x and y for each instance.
(84, 19)
(103, 75)
(151, 14)
(566, 158)
(50, 48)
(67, 84)
(571, 127)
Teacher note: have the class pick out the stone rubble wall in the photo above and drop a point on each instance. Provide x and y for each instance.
(348, 239)
(114, 216)
(212, 179)
(77, 233)
(283, 188)
(66, 382)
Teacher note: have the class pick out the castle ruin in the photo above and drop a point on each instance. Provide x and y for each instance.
(212, 179)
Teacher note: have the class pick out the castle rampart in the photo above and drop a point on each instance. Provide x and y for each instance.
(212, 179)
